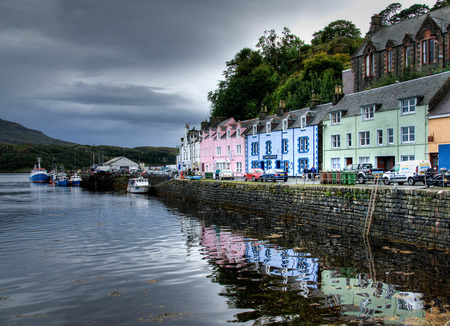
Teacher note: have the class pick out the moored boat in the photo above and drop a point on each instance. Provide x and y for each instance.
(75, 180)
(138, 185)
(61, 180)
(38, 174)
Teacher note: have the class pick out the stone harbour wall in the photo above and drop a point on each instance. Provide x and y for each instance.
(415, 216)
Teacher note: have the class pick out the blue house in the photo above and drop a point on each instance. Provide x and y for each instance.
(287, 140)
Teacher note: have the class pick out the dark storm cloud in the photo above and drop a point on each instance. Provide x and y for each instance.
(133, 72)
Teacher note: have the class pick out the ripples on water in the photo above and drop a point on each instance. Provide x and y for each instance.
(71, 257)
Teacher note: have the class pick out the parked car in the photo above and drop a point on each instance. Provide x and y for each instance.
(407, 171)
(363, 171)
(226, 174)
(273, 175)
(253, 174)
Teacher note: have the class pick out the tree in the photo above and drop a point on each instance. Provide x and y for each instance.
(336, 29)
(411, 12)
(389, 12)
(441, 4)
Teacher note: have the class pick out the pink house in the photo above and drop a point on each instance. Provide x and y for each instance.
(223, 147)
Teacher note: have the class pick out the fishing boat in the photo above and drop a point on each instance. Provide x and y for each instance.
(38, 174)
(75, 180)
(61, 180)
(138, 185)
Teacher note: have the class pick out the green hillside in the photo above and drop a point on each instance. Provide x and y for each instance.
(14, 133)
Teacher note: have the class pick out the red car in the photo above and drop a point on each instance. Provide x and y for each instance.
(253, 174)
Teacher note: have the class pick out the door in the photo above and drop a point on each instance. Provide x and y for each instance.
(348, 161)
(434, 160)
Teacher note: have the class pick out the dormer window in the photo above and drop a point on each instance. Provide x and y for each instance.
(408, 106)
(389, 60)
(218, 135)
(303, 122)
(370, 64)
(254, 131)
(285, 125)
(428, 51)
(407, 55)
(368, 112)
(336, 117)
(267, 127)
(228, 134)
(238, 133)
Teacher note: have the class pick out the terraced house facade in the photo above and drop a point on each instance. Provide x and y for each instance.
(383, 125)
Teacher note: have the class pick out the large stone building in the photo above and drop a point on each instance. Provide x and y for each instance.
(420, 43)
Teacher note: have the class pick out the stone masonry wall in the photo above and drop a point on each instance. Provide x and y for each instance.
(416, 216)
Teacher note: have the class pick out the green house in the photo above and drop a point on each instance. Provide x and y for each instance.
(383, 125)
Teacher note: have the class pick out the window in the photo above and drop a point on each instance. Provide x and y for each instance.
(370, 64)
(285, 146)
(218, 151)
(349, 140)
(335, 141)
(302, 144)
(268, 147)
(255, 148)
(238, 149)
(228, 150)
(303, 122)
(379, 137)
(336, 163)
(238, 167)
(269, 164)
(368, 112)
(285, 125)
(428, 51)
(228, 134)
(254, 130)
(407, 55)
(364, 159)
(407, 158)
(267, 127)
(336, 117)
(218, 135)
(408, 134)
(238, 133)
(254, 164)
(302, 164)
(408, 106)
(364, 138)
(390, 135)
(389, 60)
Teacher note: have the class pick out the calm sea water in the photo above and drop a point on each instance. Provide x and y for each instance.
(73, 257)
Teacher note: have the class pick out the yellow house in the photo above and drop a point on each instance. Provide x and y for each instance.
(439, 123)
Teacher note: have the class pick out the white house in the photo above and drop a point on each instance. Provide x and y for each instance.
(120, 163)
(188, 157)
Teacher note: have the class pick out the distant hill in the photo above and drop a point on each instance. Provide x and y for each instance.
(14, 133)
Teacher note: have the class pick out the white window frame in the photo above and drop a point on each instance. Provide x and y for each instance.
(408, 106)
(336, 117)
(368, 112)
(238, 149)
(364, 159)
(284, 143)
(362, 136)
(349, 140)
(238, 167)
(228, 134)
(410, 135)
(238, 133)
(219, 151)
(389, 135)
(335, 163)
(380, 137)
(254, 130)
(303, 122)
(336, 141)
(218, 135)
(268, 125)
(407, 158)
(285, 125)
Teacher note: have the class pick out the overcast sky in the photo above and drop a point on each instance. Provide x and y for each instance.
(133, 72)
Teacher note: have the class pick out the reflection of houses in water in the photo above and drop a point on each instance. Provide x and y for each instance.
(362, 297)
(223, 246)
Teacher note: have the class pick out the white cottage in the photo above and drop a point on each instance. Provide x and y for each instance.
(120, 163)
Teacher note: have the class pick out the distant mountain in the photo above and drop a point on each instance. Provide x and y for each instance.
(14, 133)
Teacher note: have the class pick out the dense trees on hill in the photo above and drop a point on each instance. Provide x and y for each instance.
(23, 157)
(285, 68)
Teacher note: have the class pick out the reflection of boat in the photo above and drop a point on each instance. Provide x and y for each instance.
(138, 185)
(62, 180)
(38, 174)
(75, 179)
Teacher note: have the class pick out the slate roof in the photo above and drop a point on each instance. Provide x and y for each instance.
(396, 33)
(387, 97)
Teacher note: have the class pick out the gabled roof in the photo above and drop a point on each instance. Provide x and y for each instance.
(387, 97)
(397, 32)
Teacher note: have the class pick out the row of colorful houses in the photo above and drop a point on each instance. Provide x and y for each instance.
(403, 121)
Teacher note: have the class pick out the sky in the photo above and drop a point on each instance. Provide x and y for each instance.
(133, 73)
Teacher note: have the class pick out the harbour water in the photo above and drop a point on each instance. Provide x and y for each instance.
(73, 257)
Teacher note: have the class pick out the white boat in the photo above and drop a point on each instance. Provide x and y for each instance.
(75, 180)
(138, 185)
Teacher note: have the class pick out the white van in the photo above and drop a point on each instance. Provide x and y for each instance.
(407, 171)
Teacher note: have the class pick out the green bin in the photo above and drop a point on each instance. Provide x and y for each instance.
(351, 178)
(208, 175)
(344, 177)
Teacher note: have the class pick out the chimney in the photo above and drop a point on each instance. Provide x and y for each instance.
(338, 95)
(281, 108)
(263, 112)
(314, 102)
(375, 24)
